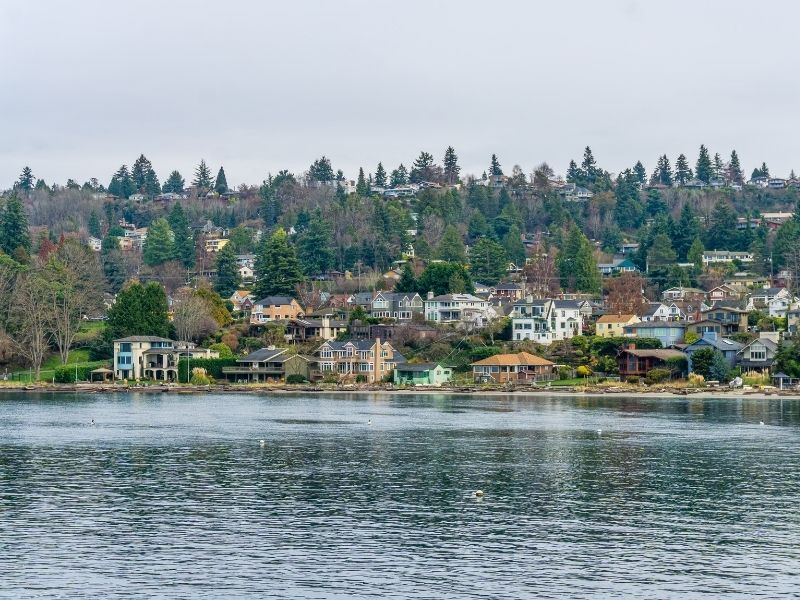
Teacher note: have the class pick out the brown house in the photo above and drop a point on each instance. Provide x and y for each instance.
(502, 368)
(632, 361)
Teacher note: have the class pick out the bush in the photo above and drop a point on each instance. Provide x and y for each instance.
(212, 366)
(632, 379)
(66, 373)
(200, 377)
(658, 375)
(697, 380)
(295, 378)
(361, 378)
(564, 373)
(223, 349)
(583, 371)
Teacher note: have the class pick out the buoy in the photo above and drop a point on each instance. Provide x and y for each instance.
(262, 442)
(478, 493)
(761, 422)
(599, 432)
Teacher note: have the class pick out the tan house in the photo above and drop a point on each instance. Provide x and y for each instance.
(215, 244)
(614, 325)
(273, 308)
(242, 300)
(372, 359)
(523, 366)
(269, 364)
(152, 357)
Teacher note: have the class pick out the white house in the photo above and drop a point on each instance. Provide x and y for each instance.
(726, 256)
(462, 309)
(545, 321)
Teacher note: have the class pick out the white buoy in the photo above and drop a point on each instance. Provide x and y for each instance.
(262, 442)
(478, 493)
(761, 422)
(599, 432)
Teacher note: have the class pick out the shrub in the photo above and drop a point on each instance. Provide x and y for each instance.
(361, 378)
(200, 377)
(66, 373)
(583, 371)
(212, 366)
(223, 349)
(658, 375)
(632, 379)
(697, 380)
(295, 378)
(564, 373)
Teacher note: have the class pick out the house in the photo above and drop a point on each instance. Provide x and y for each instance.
(683, 293)
(567, 318)
(422, 374)
(269, 364)
(96, 244)
(371, 359)
(728, 348)
(758, 355)
(776, 183)
(272, 308)
(613, 325)
(215, 244)
(152, 357)
(779, 307)
(246, 260)
(711, 257)
(246, 273)
(398, 305)
(574, 193)
(464, 310)
(733, 319)
(761, 299)
(242, 300)
(531, 320)
(390, 331)
(482, 289)
(635, 362)
(362, 299)
(722, 292)
(667, 332)
(619, 265)
(303, 329)
(506, 368)
(761, 182)
(508, 290)
(793, 321)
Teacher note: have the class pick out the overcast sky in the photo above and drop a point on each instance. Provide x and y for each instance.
(258, 86)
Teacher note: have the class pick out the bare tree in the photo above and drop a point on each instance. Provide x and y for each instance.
(541, 276)
(192, 316)
(30, 316)
(625, 294)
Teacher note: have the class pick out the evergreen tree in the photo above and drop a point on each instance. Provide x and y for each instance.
(139, 310)
(444, 278)
(685, 231)
(277, 268)
(113, 264)
(451, 168)
(576, 265)
(361, 184)
(121, 184)
(380, 176)
(221, 183)
(41, 184)
(641, 174)
(227, 280)
(695, 254)
(14, 232)
(494, 167)
(629, 210)
(26, 179)
(321, 170)
(722, 232)
(407, 282)
(174, 183)
(399, 176)
(663, 172)
(144, 177)
(589, 165)
(655, 204)
(202, 177)
(488, 261)
(159, 247)
(314, 245)
(703, 168)
(94, 225)
(574, 173)
(423, 168)
(512, 242)
(735, 174)
(764, 170)
(719, 167)
(184, 242)
(683, 174)
(451, 246)
(661, 252)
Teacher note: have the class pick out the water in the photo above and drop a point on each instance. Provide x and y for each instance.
(173, 496)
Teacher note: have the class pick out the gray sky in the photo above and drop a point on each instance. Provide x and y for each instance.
(258, 86)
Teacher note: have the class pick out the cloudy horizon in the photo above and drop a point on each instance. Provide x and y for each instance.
(262, 86)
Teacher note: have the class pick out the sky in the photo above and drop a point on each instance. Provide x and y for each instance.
(259, 86)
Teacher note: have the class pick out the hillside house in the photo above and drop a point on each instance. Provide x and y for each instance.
(508, 368)
(273, 308)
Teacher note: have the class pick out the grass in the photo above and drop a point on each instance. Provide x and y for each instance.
(89, 332)
(78, 357)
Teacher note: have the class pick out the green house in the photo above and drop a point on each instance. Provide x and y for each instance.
(422, 374)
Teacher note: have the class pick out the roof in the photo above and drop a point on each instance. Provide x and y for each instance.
(659, 353)
(418, 367)
(571, 304)
(658, 324)
(768, 343)
(507, 286)
(718, 343)
(521, 358)
(275, 300)
(456, 298)
(143, 338)
(616, 318)
(262, 355)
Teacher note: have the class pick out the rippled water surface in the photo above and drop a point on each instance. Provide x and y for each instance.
(174, 496)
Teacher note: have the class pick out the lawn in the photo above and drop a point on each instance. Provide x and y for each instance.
(89, 332)
(78, 357)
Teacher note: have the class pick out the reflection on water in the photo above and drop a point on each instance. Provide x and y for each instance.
(372, 496)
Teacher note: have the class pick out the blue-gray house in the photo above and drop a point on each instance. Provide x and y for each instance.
(728, 348)
(667, 332)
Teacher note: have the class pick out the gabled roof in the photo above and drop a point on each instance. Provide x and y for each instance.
(262, 355)
(723, 344)
(456, 298)
(144, 338)
(418, 367)
(763, 341)
(568, 304)
(616, 318)
(521, 358)
(275, 300)
(507, 286)
(659, 353)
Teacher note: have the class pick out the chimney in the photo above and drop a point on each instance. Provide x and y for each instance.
(430, 295)
(529, 298)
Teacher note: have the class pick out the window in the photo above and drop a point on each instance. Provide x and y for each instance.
(125, 347)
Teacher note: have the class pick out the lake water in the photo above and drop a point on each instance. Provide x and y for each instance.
(371, 496)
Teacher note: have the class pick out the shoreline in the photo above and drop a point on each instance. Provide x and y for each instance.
(263, 389)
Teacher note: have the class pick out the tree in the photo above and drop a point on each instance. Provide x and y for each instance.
(407, 282)
(695, 253)
(641, 174)
(661, 253)
(314, 246)
(512, 242)
(702, 360)
(663, 172)
(227, 280)
(494, 167)
(362, 189)
(423, 168)
(718, 170)
(202, 177)
(95, 230)
(321, 170)
(574, 173)
(26, 180)
(683, 174)
(451, 168)
(488, 261)
(380, 176)
(399, 176)
(159, 247)
(121, 184)
(241, 239)
(625, 294)
(451, 246)
(277, 267)
(174, 183)
(221, 183)
(685, 231)
(30, 319)
(703, 168)
(139, 310)
(14, 232)
(144, 177)
(735, 174)
(589, 165)
(722, 233)
(629, 210)
(182, 236)
(113, 264)
(576, 264)
(445, 278)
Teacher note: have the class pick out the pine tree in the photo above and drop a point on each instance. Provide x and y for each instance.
(174, 183)
(202, 177)
(764, 170)
(361, 184)
(494, 167)
(314, 245)
(663, 172)
(407, 282)
(139, 171)
(576, 265)
(122, 184)
(399, 176)
(26, 179)
(227, 280)
(721, 233)
(277, 268)
(719, 167)
(641, 174)
(703, 169)
(685, 231)
(695, 253)
(512, 242)
(589, 165)
(159, 247)
(423, 168)
(221, 183)
(321, 170)
(184, 243)
(451, 246)
(735, 174)
(574, 173)
(14, 232)
(683, 174)
(629, 210)
(661, 253)
(94, 225)
(451, 168)
(488, 261)
(380, 176)
(113, 264)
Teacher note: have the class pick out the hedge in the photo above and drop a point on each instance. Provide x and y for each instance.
(213, 367)
(66, 373)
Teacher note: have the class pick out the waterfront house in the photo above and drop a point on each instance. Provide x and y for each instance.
(614, 325)
(667, 332)
(152, 357)
(758, 355)
(637, 362)
(274, 308)
(302, 329)
(506, 368)
(372, 360)
(269, 365)
(422, 374)
(728, 348)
